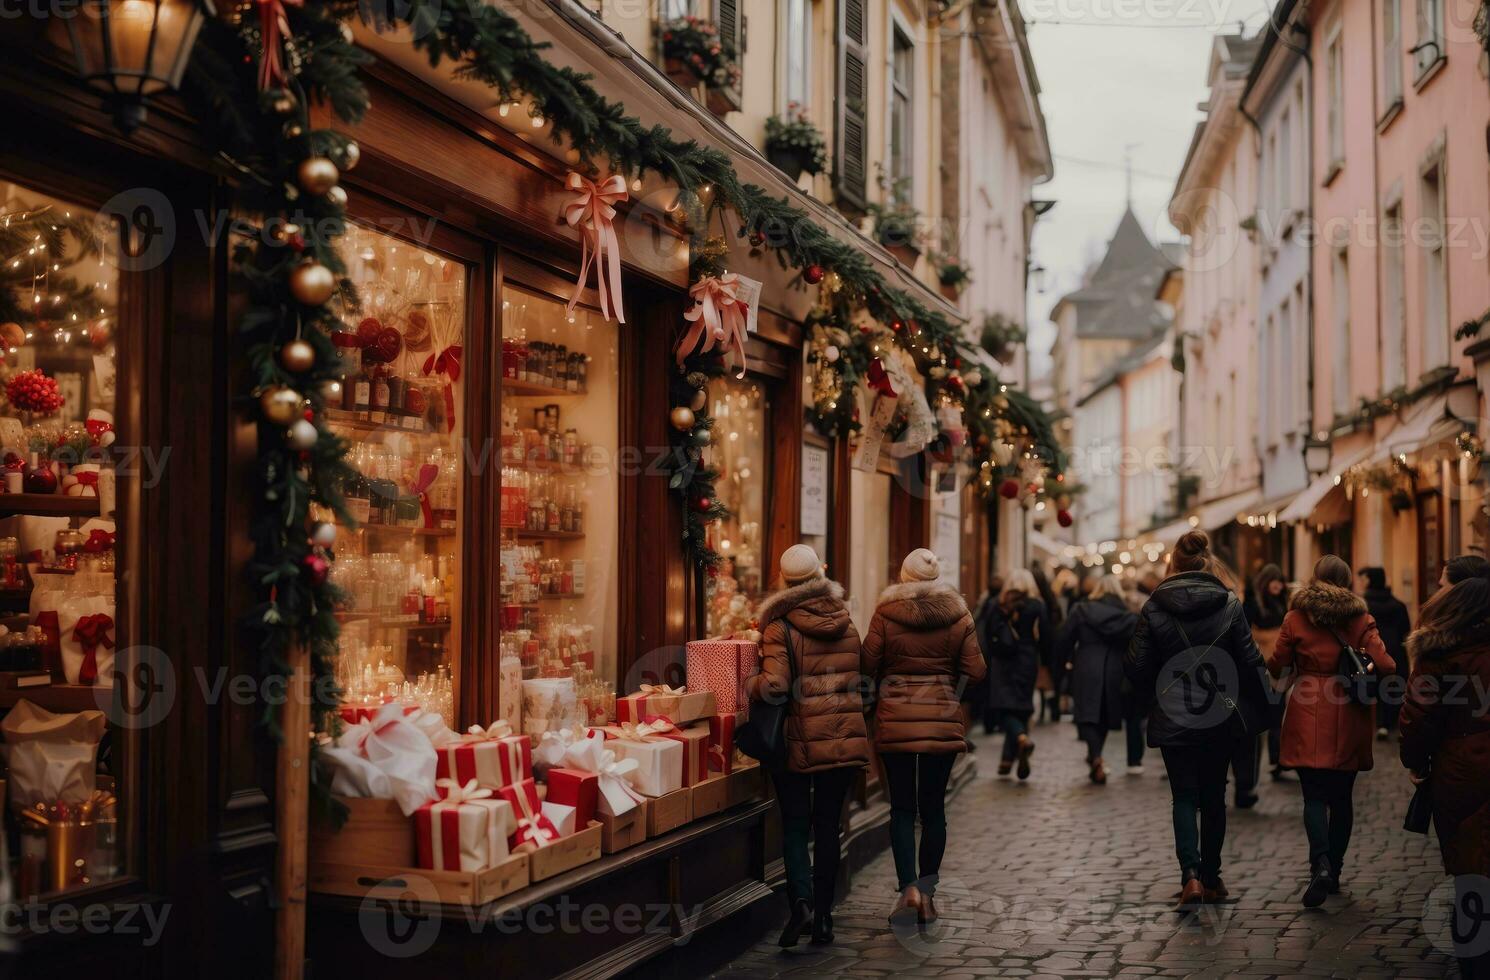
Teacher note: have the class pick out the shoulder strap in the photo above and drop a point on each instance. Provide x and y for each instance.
(791, 656)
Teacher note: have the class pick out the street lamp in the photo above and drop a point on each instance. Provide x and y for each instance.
(133, 49)
(1317, 456)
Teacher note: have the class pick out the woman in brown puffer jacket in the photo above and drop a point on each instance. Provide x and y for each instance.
(827, 741)
(1446, 741)
(1326, 736)
(922, 657)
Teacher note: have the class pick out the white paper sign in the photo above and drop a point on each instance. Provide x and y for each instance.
(872, 436)
(749, 293)
(814, 490)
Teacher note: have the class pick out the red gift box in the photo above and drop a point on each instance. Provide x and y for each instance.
(722, 742)
(492, 762)
(576, 788)
(720, 666)
(353, 714)
(658, 701)
(533, 827)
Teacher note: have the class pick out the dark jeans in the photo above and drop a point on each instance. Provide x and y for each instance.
(918, 782)
(1095, 737)
(812, 802)
(1013, 724)
(1134, 726)
(1329, 814)
(1246, 765)
(1197, 784)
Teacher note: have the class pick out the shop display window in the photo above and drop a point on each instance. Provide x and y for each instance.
(560, 437)
(402, 409)
(69, 773)
(737, 452)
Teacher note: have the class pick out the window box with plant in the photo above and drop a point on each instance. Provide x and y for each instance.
(952, 275)
(793, 144)
(897, 224)
(693, 53)
(1000, 336)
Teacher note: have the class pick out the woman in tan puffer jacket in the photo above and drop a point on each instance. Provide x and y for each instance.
(827, 741)
(921, 655)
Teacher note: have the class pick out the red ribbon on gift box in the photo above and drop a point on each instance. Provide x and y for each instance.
(573, 787)
(532, 826)
(695, 753)
(446, 362)
(722, 742)
(92, 632)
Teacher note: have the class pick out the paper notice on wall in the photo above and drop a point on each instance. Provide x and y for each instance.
(872, 436)
(814, 490)
(749, 293)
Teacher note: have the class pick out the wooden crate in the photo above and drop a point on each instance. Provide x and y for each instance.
(627, 830)
(446, 887)
(745, 784)
(709, 797)
(565, 853)
(668, 812)
(376, 834)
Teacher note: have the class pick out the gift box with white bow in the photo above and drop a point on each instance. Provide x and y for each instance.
(533, 829)
(493, 756)
(660, 761)
(616, 791)
(466, 830)
(397, 746)
(678, 705)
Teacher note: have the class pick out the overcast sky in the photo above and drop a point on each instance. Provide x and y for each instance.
(1110, 83)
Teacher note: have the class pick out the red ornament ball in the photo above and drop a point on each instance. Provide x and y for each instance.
(33, 391)
(1063, 518)
(814, 273)
(897, 326)
(40, 480)
(702, 504)
(1009, 489)
(316, 568)
(368, 330)
(757, 239)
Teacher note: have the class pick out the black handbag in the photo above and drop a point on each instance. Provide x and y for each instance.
(1419, 810)
(1357, 673)
(763, 736)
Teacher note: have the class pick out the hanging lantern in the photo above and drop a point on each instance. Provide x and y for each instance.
(133, 49)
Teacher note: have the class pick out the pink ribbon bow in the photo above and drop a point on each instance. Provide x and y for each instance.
(718, 317)
(447, 362)
(592, 210)
(272, 24)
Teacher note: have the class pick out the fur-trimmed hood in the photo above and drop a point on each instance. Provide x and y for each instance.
(1435, 643)
(1328, 606)
(815, 607)
(922, 605)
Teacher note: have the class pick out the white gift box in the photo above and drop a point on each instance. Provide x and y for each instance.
(52, 757)
(465, 831)
(659, 763)
(618, 794)
(561, 816)
(401, 750)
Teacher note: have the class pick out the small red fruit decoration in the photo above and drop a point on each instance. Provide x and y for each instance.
(1063, 518)
(702, 504)
(1009, 489)
(33, 391)
(814, 273)
(316, 567)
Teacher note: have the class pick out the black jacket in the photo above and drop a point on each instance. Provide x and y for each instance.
(1393, 623)
(1093, 640)
(1194, 660)
(1016, 645)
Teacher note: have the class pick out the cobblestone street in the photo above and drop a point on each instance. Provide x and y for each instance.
(1059, 878)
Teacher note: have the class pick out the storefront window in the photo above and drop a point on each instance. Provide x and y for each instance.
(559, 513)
(68, 772)
(737, 452)
(402, 408)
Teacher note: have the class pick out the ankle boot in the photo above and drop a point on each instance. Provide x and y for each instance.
(822, 929)
(800, 916)
(1319, 884)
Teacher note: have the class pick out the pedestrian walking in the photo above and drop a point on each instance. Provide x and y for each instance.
(1394, 624)
(1193, 655)
(1446, 746)
(807, 635)
(1462, 568)
(1091, 645)
(921, 654)
(1052, 681)
(1017, 651)
(1266, 604)
(988, 621)
(1326, 735)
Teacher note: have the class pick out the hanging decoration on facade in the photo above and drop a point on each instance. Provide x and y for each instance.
(717, 320)
(690, 478)
(593, 211)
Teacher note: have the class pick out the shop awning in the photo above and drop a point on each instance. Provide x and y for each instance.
(1220, 512)
(1304, 504)
(1430, 423)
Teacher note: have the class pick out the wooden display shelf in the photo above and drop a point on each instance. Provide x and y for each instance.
(526, 388)
(546, 466)
(47, 504)
(412, 531)
(546, 535)
(382, 621)
(60, 698)
(369, 427)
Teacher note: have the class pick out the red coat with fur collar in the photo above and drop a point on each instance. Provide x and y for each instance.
(921, 655)
(1322, 728)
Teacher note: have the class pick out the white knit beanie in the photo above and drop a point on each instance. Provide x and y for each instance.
(800, 563)
(921, 566)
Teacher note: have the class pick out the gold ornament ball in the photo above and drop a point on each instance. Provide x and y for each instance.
(682, 418)
(11, 335)
(700, 399)
(292, 130)
(337, 196)
(350, 155)
(280, 405)
(298, 356)
(317, 175)
(312, 283)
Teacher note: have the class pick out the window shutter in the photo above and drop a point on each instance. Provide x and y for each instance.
(730, 22)
(851, 141)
